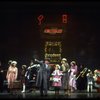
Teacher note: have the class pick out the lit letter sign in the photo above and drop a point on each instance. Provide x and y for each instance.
(64, 18)
(53, 30)
(40, 18)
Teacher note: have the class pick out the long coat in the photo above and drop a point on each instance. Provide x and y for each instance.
(43, 74)
(65, 77)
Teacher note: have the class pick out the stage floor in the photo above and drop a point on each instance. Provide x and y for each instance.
(51, 95)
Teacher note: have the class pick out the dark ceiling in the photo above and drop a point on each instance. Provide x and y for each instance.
(20, 37)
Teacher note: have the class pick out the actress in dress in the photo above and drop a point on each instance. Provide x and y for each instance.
(12, 74)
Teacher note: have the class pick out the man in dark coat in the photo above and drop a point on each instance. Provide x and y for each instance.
(43, 76)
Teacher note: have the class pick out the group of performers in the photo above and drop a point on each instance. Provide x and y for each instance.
(63, 76)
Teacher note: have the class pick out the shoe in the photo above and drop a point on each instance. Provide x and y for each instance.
(23, 91)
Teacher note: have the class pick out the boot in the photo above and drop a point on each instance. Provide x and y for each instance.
(87, 88)
(91, 88)
(23, 88)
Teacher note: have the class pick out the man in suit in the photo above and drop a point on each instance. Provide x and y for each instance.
(43, 76)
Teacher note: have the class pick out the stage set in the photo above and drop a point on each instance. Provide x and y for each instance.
(33, 92)
(33, 32)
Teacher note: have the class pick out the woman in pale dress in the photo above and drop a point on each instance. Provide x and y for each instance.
(12, 74)
(72, 77)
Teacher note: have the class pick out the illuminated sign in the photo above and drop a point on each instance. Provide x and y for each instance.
(53, 31)
(40, 18)
(64, 18)
(53, 50)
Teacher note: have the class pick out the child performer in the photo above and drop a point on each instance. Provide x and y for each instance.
(23, 77)
(89, 81)
(57, 75)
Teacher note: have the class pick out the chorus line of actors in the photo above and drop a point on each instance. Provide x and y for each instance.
(67, 77)
(67, 82)
(64, 76)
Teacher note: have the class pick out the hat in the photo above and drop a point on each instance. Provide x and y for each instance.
(57, 65)
(73, 62)
(10, 61)
(24, 66)
(95, 71)
(13, 62)
(64, 59)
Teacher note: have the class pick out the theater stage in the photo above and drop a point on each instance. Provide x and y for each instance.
(51, 95)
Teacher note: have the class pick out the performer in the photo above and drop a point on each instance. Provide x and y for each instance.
(89, 81)
(72, 77)
(28, 71)
(97, 80)
(57, 75)
(81, 78)
(28, 75)
(12, 74)
(43, 76)
(1, 78)
(23, 80)
(65, 77)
